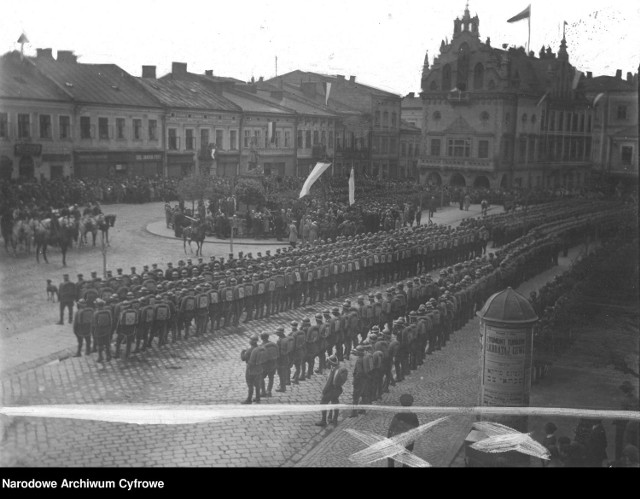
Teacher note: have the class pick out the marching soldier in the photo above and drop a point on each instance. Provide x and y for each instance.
(186, 313)
(399, 351)
(238, 300)
(270, 363)
(279, 294)
(410, 337)
(324, 332)
(249, 296)
(82, 326)
(215, 309)
(126, 328)
(312, 345)
(253, 373)
(161, 320)
(332, 390)
(260, 294)
(67, 294)
(145, 323)
(270, 282)
(202, 309)
(330, 338)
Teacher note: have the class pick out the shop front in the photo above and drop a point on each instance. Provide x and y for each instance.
(26, 154)
(125, 164)
(6, 168)
(56, 165)
(180, 165)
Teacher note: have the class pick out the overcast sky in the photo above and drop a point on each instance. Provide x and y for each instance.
(382, 42)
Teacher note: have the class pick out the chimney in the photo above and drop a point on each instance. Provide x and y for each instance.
(309, 89)
(67, 56)
(208, 72)
(340, 77)
(149, 72)
(589, 74)
(352, 79)
(261, 79)
(619, 74)
(629, 77)
(411, 95)
(179, 68)
(44, 54)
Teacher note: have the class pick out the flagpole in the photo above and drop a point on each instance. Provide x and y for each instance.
(529, 38)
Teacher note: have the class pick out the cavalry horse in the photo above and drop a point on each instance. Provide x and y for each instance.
(195, 232)
(54, 232)
(6, 227)
(21, 235)
(87, 224)
(104, 222)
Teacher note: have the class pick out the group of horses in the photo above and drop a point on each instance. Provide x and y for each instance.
(21, 232)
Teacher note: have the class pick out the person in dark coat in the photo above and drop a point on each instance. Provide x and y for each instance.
(402, 422)
(332, 391)
(597, 445)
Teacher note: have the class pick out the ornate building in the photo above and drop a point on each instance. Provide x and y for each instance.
(501, 117)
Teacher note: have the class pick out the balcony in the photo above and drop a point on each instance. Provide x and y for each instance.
(456, 97)
(446, 163)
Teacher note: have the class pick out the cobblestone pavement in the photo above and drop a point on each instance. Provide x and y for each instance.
(202, 370)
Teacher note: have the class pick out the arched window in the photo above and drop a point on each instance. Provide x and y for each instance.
(434, 86)
(463, 67)
(484, 116)
(437, 116)
(478, 77)
(385, 119)
(446, 78)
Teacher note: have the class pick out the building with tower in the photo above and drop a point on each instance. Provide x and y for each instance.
(502, 117)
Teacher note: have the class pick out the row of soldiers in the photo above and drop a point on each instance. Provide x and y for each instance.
(258, 288)
(388, 337)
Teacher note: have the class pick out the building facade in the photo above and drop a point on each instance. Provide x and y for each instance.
(615, 130)
(501, 117)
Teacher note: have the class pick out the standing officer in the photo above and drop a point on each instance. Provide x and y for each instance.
(82, 326)
(101, 329)
(253, 373)
(67, 293)
(402, 422)
(360, 388)
(332, 390)
(270, 363)
(283, 363)
(299, 340)
(312, 346)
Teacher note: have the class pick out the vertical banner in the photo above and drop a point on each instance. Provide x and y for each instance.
(352, 187)
(326, 99)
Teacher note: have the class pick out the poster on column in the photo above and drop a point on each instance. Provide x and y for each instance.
(506, 365)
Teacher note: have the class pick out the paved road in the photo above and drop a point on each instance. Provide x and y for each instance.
(198, 371)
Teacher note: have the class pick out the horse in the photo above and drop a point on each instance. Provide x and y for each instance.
(87, 224)
(54, 232)
(21, 236)
(195, 232)
(104, 222)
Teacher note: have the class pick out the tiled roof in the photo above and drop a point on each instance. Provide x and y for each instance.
(608, 84)
(96, 83)
(251, 104)
(21, 80)
(186, 94)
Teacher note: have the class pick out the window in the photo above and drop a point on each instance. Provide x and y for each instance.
(394, 117)
(247, 138)
(524, 118)
(622, 112)
(316, 137)
(173, 139)
(153, 129)
(24, 126)
(533, 119)
(385, 145)
(507, 118)
(437, 116)
(385, 119)
(393, 146)
(582, 122)
(323, 137)
(85, 127)
(459, 148)
(4, 125)
(257, 138)
(416, 151)
(433, 86)
(307, 139)
(233, 140)
(45, 126)
(119, 128)
(574, 122)
(103, 128)
(137, 129)
(219, 139)
(190, 143)
(483, 149)
(403, 149)
(409, 149)
(376, 145)
(625, 155)
(204, 139)
(65, 127)
(568, 122)
(446, 78)
(287, 138)
(435, 147)
(377, 119)
(330, 139)
(300, 140)
(552, 121)
(278, 141)
(560, 121)
(522, 151)
(478, 77)
(484, 116)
